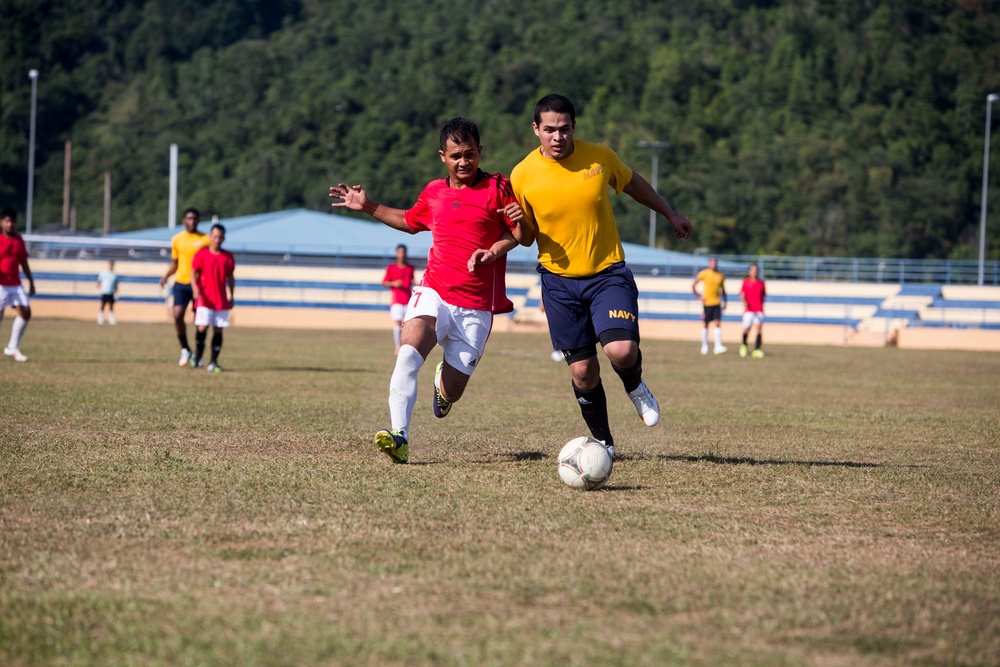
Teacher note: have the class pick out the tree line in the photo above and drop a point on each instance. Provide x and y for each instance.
(826, 127)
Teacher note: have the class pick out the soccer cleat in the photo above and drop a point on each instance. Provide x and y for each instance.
(611, 450)
(14, 354)
(645, 404)
(441, 405)
(704, 349)
(111, 319)
(719, 349)
(100, 318)
(213, 367)
(185, 357)
(758, 354)
(393, 445)
(197, 362)
(743, 350)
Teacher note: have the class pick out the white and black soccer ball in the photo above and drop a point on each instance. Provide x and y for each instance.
(585, 463)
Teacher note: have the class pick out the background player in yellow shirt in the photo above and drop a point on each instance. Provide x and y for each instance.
(714, 300)
(182, 250)
(590, 295)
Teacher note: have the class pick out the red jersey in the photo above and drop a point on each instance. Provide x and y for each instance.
(405, 273)
(460, 222)
(216, 269)
(753, 293)
(12, 253)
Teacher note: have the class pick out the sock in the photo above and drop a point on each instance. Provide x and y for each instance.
(396, 332)
(594, 406)
(16, 332)
(758, 342)
(199, 343)
(403, 388)
(631, 377)
(704, 336)
(183, 339)
(216, 345)
(745, 333)
(718, 336)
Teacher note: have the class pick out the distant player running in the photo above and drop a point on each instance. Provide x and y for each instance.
(399, 279)
(474, 221)
(752, 294)
(714, 301)
(14, 259)
(214, 288)
(182, 250)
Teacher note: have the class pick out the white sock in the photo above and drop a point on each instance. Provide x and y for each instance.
(403, 388)
(16, 332)
(396, 331)
(718, 336)
(704, 337)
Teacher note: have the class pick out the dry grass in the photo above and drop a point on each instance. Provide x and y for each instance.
(822, 506)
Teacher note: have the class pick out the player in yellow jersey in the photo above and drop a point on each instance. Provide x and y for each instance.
(590, 295)
(183, 248)
(713, 297)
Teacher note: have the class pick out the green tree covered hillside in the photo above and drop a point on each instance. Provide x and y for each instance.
(828, 127)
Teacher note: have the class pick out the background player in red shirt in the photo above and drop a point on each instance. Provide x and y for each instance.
(474, 220)
(212, 272)
(13, 259)
(752, 294)
(399, 279)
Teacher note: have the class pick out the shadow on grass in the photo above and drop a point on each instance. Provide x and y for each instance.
(311, 369)
(746, 460)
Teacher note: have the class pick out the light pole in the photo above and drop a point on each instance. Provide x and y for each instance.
(655, 146)
(33, 75)
(990, 99)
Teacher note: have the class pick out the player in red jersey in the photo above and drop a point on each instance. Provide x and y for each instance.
(211, 276)
(399, 279)
(752, 294)
(14, 259)
(474, 220)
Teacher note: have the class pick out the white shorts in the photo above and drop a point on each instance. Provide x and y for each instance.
(751, 318)
(461, 332)
(206, 316)
(397, 311)
(13, 295)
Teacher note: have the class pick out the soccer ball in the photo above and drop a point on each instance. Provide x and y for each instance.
(584, 463)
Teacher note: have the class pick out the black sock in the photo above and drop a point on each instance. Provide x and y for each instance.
(745, 334)
(183, 339)
(758, 342)
(631, 377)
(199, 341)
(594, 406)
(216, 345)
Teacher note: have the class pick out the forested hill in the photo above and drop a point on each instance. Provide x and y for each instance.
(827, 127)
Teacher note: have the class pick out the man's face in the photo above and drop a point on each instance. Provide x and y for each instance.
(753, 272)
(713, 263)
(401, 255)
(190, 222)
(215, 238)
(555, 132)
(8, 226)
(462, 161)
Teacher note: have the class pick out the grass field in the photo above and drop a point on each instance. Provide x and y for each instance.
(822, 506)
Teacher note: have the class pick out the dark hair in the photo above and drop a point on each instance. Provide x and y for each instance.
(8, 213)
(401, 245)
(192, 210)
(459, 130)
(219, 227)
(556, 103)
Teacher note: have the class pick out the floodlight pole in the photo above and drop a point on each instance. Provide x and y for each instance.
(655, 146)
(990, 99)
(33, 75)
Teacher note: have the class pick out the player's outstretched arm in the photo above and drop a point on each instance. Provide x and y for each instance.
(355, 198)
(640, 190)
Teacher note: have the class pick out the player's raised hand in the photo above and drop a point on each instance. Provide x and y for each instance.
(353, 197)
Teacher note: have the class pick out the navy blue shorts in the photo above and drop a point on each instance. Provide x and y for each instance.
(584, 311)
(182, 295)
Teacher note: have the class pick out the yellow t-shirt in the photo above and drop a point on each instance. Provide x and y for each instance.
(183, 248)
(712, 281)
(569, 203)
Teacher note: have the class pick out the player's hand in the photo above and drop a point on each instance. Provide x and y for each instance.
(353, 197)
(163, 281)
(481, 257)
(681, 226)
(723, 304)
(512, 211)
(31, 288)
